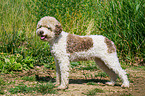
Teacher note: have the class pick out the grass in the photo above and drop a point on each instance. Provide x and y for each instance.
(2, 82)
(101, 74)
(29, 78)
(21, 89)
(46, 88)
(2, 91)
(138, 68)
(92, 83)
(27, 85)
(39, 88)
(121, 21)
(35, 87)
(93, 92)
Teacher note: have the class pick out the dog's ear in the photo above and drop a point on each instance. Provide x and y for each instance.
(58, 29)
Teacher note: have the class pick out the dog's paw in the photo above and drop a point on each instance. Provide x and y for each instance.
(125, 85)
(62, 87)
(110, 83)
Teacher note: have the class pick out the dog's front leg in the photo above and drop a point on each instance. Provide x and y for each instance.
(63, 65)
(57, 72)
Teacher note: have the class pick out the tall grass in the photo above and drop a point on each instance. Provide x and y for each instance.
(122, 21)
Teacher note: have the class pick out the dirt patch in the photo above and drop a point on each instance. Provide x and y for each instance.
(137, 87)
(82, 82)
(80, 87)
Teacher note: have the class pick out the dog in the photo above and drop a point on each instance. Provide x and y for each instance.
(67, 47)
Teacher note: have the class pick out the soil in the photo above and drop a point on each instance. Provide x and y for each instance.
(82, 82)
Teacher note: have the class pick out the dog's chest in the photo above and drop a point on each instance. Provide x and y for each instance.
(59, 47)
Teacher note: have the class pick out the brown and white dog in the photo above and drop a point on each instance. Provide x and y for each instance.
(67, 47)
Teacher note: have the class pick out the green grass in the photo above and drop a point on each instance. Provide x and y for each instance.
(39, 88)
(139, 68)
(2, 82)
(2, 91)
(21, 89)
(93, 92)
(92, 83)
(29, 78)
(122, 21)
(101, 74)
(46, 88)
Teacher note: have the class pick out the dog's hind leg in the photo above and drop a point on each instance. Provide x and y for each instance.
(111, 61)
(105, 68)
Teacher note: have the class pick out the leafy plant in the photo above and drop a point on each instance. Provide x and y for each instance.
(40, 88)
(121, 21)
(74, 64)
(10, 62)
(45, 88)
(21, 89)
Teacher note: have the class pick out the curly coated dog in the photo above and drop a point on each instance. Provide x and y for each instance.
(67, 47)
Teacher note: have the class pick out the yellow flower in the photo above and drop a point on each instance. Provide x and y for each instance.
(2, 53)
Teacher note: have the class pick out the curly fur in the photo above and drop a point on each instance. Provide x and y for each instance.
(67, 47)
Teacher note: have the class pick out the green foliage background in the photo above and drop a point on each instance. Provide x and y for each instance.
(122, 21)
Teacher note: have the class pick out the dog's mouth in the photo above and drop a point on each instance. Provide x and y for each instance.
(44, 37)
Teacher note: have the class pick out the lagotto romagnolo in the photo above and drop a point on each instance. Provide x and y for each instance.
(67, 47)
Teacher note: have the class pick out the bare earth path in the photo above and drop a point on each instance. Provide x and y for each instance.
(82, 83)
(137, 86)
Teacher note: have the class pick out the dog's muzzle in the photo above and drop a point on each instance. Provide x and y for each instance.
(41, 34)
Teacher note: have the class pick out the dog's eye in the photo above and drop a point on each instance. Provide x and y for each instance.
(48, 28)
(40, 26)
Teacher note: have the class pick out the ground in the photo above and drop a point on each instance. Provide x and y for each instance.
(83, 82)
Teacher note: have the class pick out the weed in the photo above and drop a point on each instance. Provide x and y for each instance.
(1, 91)
(28, 78)
(138, 68)
(11, 82)
(45, 88)
(21, 89)
(87, 65)
(10, 62)
(40, 88)
(74, 64)
(2, 82)
(92, 83)
(101, 74)
(126, 94)
(93, 92)
(88, 68)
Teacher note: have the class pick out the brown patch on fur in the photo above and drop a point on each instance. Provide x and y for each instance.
(110, 45)
(58, 29)
(77, 44)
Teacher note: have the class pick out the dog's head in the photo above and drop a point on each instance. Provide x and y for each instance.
(48, 28)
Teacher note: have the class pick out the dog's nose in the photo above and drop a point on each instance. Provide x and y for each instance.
(41, 32)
